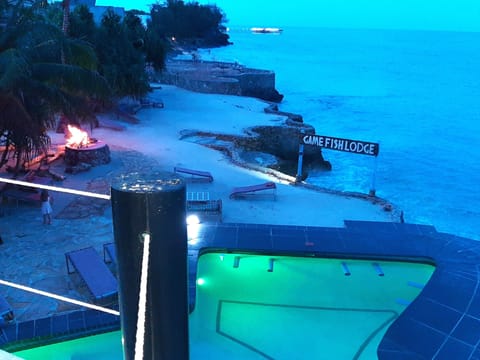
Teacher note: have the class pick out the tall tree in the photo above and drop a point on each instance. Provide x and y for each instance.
(189, 23)
(66, 16)
(82, 25)
(122, 64)
(35, 84)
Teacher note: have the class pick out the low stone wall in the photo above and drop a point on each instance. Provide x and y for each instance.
(252, 81)
(209, 86)
(221, 78)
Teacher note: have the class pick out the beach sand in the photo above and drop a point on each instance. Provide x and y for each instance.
(33, 253)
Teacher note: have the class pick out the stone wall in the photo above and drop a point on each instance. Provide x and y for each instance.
(248, 81)
(203, 85)
(220, 78)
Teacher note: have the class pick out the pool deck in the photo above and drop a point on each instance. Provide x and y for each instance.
(443, 322)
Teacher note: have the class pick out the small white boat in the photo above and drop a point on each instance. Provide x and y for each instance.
(267, 30)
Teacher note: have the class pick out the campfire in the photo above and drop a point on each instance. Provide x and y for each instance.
(77, 138)
(82, 151)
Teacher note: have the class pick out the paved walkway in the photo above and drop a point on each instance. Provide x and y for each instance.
(33, 254)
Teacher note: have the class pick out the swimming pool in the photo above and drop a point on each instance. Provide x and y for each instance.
(252, 306)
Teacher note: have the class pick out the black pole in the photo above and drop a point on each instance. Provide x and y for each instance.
(152, 205)
(301, 147)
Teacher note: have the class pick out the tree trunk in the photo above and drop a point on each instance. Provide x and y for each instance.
(66, 21)
(4, 160)
(66, 16)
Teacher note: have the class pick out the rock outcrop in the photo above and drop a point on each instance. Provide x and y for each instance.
(274, 147)
(282, 141)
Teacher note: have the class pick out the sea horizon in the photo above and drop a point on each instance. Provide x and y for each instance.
(413, 92)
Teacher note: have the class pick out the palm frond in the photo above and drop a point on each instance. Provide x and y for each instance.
(13, 67)
(11, 109)
(80, 53)
(72, 79)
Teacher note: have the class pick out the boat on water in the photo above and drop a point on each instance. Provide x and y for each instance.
(266, 30)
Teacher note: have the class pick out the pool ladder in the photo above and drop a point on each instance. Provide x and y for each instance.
(236, 263)
(376, 266)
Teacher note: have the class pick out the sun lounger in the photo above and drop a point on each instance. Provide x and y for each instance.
(195, 174)
(109, 254)
(6, 312)
(94, 272)
(253, 189)
(152, 103)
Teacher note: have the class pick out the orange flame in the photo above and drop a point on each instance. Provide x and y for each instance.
(77, 137)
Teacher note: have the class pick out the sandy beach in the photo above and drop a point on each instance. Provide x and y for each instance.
(33, 254)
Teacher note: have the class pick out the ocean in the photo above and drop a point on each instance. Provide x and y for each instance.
(416, 93)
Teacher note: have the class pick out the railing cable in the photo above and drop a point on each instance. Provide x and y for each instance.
(55, 188)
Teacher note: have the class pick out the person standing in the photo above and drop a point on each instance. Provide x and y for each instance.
(46, 206)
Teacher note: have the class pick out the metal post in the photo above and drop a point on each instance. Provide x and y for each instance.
(151, 209)
(374, 175)
(298, 177)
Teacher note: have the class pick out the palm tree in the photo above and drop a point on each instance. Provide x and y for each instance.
(66, 16)
(35, 84)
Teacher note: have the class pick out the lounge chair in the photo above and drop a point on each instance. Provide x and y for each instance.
(147, 103)
(253, 189)
(109, 253)
(195, 174)
(99, 279)
(6, 312)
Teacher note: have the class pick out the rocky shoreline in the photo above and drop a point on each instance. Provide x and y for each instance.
(226, 145)
(252, 152)
(269, 149)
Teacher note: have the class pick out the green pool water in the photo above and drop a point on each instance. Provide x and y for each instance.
(306, 308)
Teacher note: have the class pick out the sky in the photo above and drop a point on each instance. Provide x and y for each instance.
(457, 15)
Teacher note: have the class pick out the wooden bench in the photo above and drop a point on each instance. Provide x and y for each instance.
(253, 189)
(195, 174)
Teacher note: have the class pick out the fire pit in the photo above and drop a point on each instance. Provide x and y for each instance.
(81, 149)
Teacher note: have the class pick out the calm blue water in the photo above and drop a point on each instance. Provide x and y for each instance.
(416, 93)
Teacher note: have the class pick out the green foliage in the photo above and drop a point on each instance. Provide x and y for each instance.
(122, 64)
(82, 25)
(134, 27)
(43, 72)
(35, 84)
(54, 14)
(187, 21)
(156, 48)
(14, 66)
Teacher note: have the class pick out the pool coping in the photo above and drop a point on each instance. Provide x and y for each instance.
(443, 322)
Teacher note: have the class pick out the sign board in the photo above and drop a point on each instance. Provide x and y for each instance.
(347, 145)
